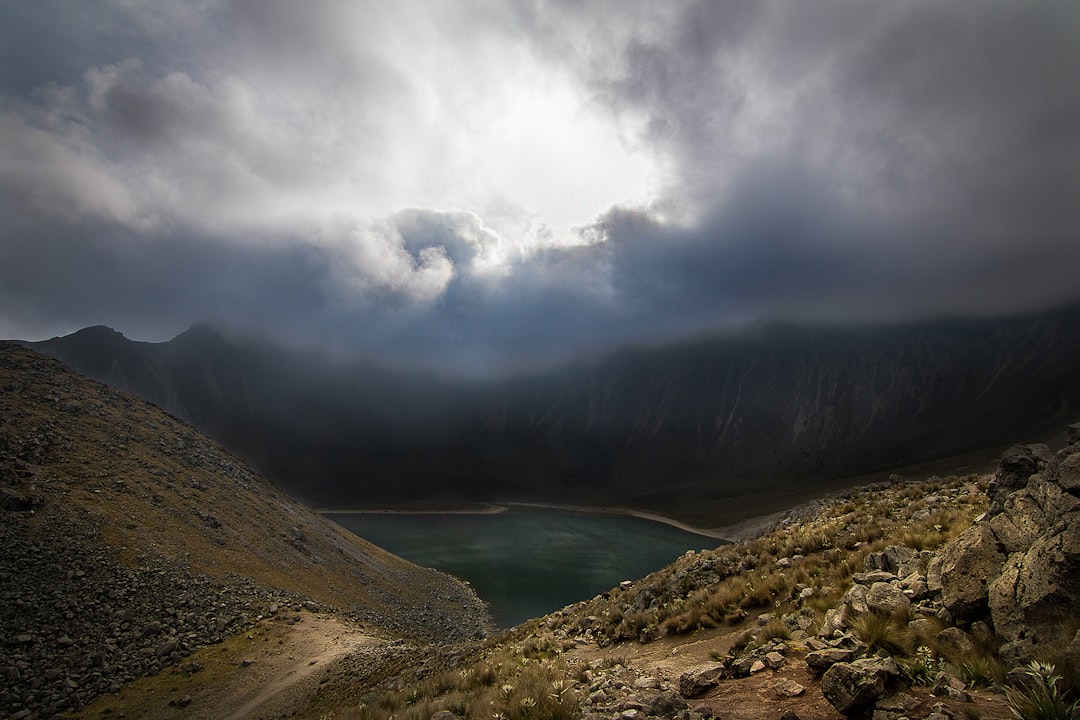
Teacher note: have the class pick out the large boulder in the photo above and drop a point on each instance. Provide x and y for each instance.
(1037, 596)
(968, 565)
(1029, 513)
(887, 599)
(699, 680)
(852, 687)
(1017, 464)
(821, 660)
(1069, 474)
(1021, 566)
(899, 560)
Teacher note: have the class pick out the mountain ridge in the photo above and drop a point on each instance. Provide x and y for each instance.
(713, 419)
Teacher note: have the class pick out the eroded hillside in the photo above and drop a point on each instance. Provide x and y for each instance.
(130, 540)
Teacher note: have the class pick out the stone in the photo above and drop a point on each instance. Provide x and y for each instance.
(1069, 474)
(1038, 593)
(775, 660)
(901, 702)
(699, 680)
(924, 627)
(855, 686)
(757, 666)
(786, 687)
(955, 644)
(869, 578)
(646, 682)
(832, 623)
(968, 564)
(790, 715)
(853, 602)
(821, 660)
(667, 704)
(887, 599)
(895, 560)
(933, 575)
(167, 647)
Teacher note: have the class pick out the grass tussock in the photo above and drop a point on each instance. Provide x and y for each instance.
(884, 632)
(513, 681)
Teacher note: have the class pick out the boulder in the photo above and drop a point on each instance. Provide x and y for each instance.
(895, 559)
(667, 704)
(887, 599)
(1069, 474)
(1028, 513)
(853, 603)
(821, 660)
(955, 644)
(699, 680)
(933, 575)
(786, 687)
(967, 565)
(1037, 594)
(855, 686)
(834, 621)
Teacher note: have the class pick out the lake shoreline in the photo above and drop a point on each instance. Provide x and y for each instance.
(728, 533)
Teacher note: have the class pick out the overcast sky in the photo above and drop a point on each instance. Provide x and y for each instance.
(480, 184)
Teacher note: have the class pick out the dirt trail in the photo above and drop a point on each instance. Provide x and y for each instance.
(268, 672)
(282, 678)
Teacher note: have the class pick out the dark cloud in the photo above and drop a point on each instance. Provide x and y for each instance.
(308, 170)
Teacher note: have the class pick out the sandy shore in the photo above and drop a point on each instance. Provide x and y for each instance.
(478, 510)
(747, 528)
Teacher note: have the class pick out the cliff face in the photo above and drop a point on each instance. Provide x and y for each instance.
(712, 417)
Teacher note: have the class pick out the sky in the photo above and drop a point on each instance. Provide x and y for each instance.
(479, 186)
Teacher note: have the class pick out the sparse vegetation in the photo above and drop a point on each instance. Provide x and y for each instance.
(725, 586)
(520, 676)
(1039, 697)
(883, 632)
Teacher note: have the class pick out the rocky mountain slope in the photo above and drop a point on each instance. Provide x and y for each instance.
(771, 411)
(130, 540)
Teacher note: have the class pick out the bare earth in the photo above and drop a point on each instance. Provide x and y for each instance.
(268, 672)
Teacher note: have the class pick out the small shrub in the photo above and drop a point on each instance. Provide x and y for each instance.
(1038, 696)
(774, 629)
(922, 668)
(883, 632)
(980, 670)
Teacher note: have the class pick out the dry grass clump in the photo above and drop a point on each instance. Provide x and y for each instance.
(512, 680)
(884, 632)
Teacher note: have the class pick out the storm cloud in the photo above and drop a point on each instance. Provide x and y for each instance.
(478, 185)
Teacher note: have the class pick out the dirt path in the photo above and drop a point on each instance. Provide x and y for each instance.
(283, 677)
(267, 672)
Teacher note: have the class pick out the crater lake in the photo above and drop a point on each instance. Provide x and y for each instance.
(526, 562)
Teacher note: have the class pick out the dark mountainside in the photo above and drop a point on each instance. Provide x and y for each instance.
(771, 411)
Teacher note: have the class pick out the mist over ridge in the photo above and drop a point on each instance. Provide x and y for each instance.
(696, 423)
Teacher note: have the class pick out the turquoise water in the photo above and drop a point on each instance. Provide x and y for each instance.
(528, 562)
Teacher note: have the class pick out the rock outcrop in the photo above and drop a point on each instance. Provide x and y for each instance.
(1019, 566)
